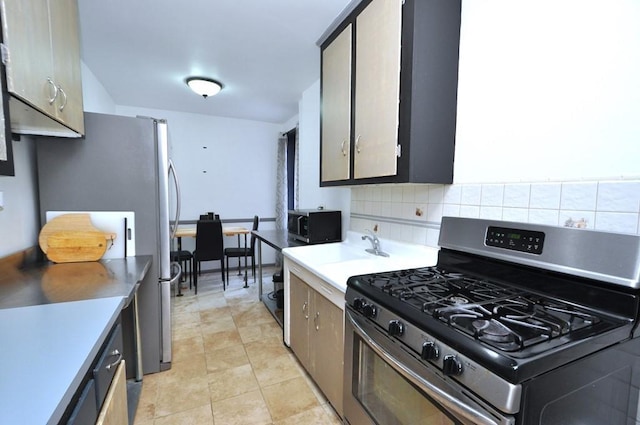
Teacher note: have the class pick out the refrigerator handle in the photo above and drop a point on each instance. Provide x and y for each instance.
(176, 273)
(172, 171)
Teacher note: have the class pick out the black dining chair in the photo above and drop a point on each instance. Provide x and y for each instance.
(209, 247)
(245, 252)
(210, 216)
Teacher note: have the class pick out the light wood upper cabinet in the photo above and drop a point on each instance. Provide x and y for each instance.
(403, 85)
(26, 29)
(66, 63)
(42, 57)
(336, 108)
(377, 88)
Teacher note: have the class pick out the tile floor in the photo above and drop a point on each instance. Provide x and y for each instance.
(230, 365)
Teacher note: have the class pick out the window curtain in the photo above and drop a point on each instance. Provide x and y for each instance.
(296, 185)
(282, 183)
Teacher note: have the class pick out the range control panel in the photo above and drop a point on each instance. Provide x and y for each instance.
(515, 239)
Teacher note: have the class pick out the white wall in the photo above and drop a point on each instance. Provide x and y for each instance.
(548, 90)
(225, 165)
(95, 97)
(290, 124)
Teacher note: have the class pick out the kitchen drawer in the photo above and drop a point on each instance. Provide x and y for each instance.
(107, 365)
(85, 411)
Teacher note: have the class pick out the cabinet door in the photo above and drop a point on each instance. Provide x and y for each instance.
(327, 349)
(66, 62)
(85, 411)
(377, 88)
(336, 107)
(25, 25)
(114, 410)
(299, 319)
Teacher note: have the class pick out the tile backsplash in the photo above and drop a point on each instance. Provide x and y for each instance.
(412, 213)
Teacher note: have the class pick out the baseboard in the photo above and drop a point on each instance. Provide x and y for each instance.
(234, 268)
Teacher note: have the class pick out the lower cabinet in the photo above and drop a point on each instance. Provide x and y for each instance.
(102, 398)
(85, 411)
(114, 410)
(317, 337)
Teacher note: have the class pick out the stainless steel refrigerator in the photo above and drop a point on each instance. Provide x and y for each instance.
(122, 164)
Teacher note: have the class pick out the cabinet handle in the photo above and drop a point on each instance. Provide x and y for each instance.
(315, 320)
(358, 144)
(305, 310)
(64, 101)
(118, 360)
(55, 90)
(344, 152)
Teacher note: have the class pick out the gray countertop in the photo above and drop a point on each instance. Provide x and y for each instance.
(53, 322)
(277, 239)
(47, 283)
(46, 350)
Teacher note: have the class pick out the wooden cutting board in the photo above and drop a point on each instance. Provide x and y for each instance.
(73, 238)
(68, 222)
(74, 246)
(121, 223)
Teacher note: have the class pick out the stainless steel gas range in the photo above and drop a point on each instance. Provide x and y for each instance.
(516, 324)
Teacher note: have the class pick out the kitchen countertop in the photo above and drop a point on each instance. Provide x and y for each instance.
(336, 262)
(47, 283)
(46, 351)
(54, 319)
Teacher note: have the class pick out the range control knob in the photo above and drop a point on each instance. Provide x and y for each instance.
(369, 310)
(451, 366)
(429, 351)
(396, 328)
(358, 303)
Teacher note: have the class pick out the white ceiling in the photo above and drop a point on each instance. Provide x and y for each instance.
(263, 51)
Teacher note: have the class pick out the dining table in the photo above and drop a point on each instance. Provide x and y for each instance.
(190, 230)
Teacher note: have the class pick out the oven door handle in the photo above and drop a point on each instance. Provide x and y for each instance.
(456, 406)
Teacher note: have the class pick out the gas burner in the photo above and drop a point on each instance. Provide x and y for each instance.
(492, 330)
(503, 316)
(457, 300)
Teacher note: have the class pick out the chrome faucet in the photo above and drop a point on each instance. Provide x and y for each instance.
(375, 244)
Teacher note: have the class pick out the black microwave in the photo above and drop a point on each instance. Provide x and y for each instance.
(315, 226)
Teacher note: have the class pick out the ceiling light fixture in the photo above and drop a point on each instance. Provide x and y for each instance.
(205, 87)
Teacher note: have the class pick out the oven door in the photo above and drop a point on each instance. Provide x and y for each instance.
(384, 384)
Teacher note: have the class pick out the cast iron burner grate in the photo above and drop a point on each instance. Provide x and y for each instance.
(504, 317)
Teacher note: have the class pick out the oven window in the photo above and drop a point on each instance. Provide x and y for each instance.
(388, 397)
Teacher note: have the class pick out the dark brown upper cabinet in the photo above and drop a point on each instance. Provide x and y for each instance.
(389, 82)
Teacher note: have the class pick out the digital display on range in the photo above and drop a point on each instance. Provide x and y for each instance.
(515, 239)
